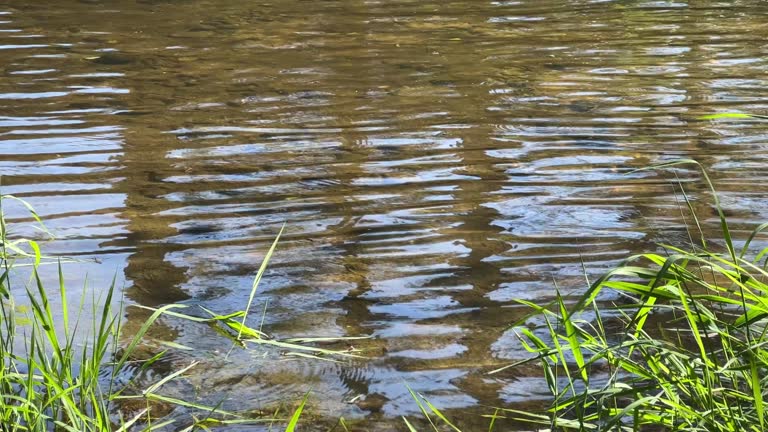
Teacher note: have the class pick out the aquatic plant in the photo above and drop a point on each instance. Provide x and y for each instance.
(685, 350)
(54, 378)
(703, 367)
(730, 115)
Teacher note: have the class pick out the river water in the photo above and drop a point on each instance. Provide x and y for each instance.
(432, 160)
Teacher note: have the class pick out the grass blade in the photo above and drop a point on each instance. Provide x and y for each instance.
(257, 279)
(297, 414)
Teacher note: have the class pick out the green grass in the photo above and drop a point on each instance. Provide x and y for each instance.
(686, 349)
(52, 378)
(46, 381)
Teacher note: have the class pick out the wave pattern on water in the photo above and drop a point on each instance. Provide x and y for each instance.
(434, 161)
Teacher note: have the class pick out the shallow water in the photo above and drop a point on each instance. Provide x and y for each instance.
(433, 162)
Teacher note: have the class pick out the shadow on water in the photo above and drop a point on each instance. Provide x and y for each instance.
(434, 161)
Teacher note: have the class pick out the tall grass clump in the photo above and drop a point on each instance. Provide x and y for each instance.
(59, 370)
(62, 368)
(58, 365)
(686, 351)
(46, 381)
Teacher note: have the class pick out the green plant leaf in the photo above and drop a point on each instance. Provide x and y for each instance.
(731, 115)
(257, 280)
(297, 414)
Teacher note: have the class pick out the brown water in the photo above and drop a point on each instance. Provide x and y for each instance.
(433, 161)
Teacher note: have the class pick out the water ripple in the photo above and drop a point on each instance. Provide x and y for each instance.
(433, 163)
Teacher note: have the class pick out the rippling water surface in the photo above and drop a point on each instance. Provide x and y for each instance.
(433, 161)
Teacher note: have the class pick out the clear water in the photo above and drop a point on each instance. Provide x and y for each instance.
(433, 161)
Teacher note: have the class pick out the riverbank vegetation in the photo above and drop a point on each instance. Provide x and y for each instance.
(59, 366)
(65, 368)
(682, 346)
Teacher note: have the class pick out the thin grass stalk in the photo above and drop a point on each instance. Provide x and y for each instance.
(257, 279)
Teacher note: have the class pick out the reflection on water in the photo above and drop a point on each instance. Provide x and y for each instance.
(433, 160)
